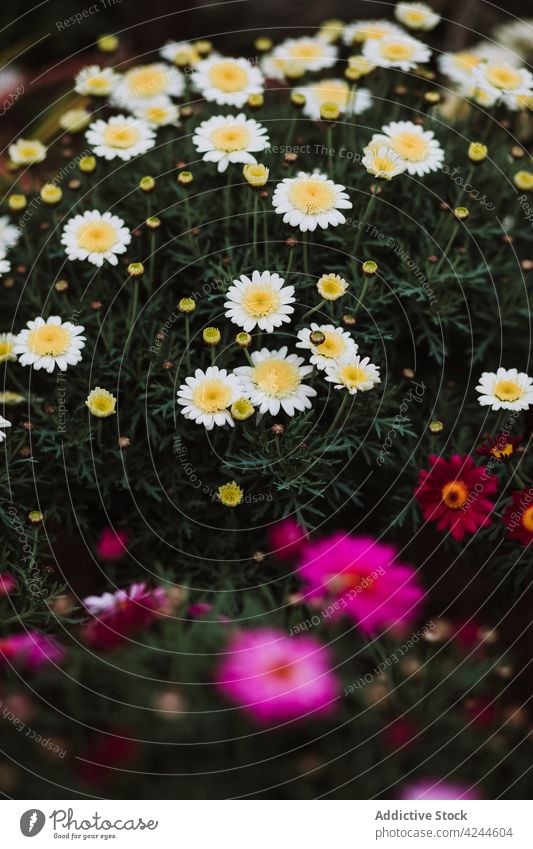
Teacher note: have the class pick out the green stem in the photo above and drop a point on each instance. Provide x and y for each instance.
(134, 301)
(255, 225)
(339, 414)
(312, 310)
(451, 240)
(362, 224)
(187, 344)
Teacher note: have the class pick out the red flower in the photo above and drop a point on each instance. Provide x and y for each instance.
(454, 494)
(120, 615)
(518, 516)
(502, 447)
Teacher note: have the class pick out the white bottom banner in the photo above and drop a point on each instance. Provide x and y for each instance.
(256, 824)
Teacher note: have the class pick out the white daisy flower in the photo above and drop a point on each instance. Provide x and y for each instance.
(262, 302)
(396, 51)
(5, 266)
(9, 234)
(361, 31)
(3, 423)
(159, 112)
(416, 16)
(230, 138)
(506, 389)
(309, 54)
(337, 92)
(50, 343)
(505, 82)
(417, 147)
(459, 66)
(274, 382)
(227, 81)
(483, 95)
(337, 344)
(96, 81)
(180, 53)
(27, 152)
(207, 396)
(120, 137)
(146, 82)
(353, 374)
(382, 161)
(96, 237)
(309, 201)
(7, 345)
(516, 36)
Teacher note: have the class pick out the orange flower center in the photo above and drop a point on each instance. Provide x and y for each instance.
(527, 519)
(454, 494)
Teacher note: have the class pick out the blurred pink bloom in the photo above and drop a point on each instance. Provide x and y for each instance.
(359, 577)
(275, 677)
(434, 788)
(119, 615)
(199, 609)
(286, 539)
(31, 650)
(7, 583)
(112, 544)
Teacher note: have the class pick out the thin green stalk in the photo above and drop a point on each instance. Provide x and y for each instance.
(255, 225)
(362, 224)
(134, 301)
(313, 309)
(187, 343)
(451, 240)
(336, 420)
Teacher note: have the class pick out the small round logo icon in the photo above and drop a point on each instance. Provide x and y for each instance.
(32, 822)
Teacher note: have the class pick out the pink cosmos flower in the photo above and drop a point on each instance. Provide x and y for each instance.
(112, 544)
(7, 583)
(122, 614)
(286, 539)
(275, 677)
(434, 788)
(199, 609)
(31, 650)
(359, 577)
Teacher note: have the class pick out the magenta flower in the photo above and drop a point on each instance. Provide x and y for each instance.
(112, 544)
(275, 677)
(359, 577)
(31, 650)
(286, 539)
(120, 615)
(434, 788)
(7, 583)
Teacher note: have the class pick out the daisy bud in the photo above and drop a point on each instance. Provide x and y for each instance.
(170, 705)
(477, 152)
(186, 305)
(230, 494)
(331, 287)
(523, 180)
(51, 194)
(461, 213)
(436, 426)
(369, 268)
(147, 184)
(278, 429)
(401, 90)
(124, 442)
(87, 164)
(408, 373)
(203, 46)
(153, 222)
(256, 175)
(263, 44)
(186, 111)
(107, 43)
(256, 101)
(96, 305)
(432, 97)
(243, 339)
(349, 320)
(101, 403)
(331, 29)
(17, 203)
(290, 157)
(352, 74)
(291, 242)
(242, 409)
(517, 152)
(329, 112)
(75, 120)
(442, 629)
(527, 264)
(167, 365)
(61, 286)
(35, 517)
(360, 66)
(317, 337)
(211, 336)
(259, 556)
(298, 99)
(185, 178)
(135, 269)
(74, 185)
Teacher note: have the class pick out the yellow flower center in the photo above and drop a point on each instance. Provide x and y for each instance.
(508, 390)
(5, 350)
(415, 16)
(330, 287)
(98, 83)
(260, 301)
(102, 403)
(466, 60)
(96, 236)
(327, 92)
(527, 519)
(49, 340)
(278, 378)
(307, 50)
(147, 82)
(212, 396)
(121, 136)
(372, 32)
(228, 77)
(353, 376)
(396, 51)
(332, 346)
(156, 114)
(504, 78)
(385, 166)
(313, 197)
(230, 139)
(504, 451)
(29, 150)
(454, 494)
(411, 146)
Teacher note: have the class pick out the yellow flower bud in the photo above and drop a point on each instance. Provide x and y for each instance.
(147, 184)
(101, 403)
(523, 180)
(256, 175)
(186, 305)
(107, 43)
(242, 409)
(87, 164)
(211, 336)
(230, 494)
(17, 203)
(329, 112)
(135, 269)
(477, 152)
(50, 193)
